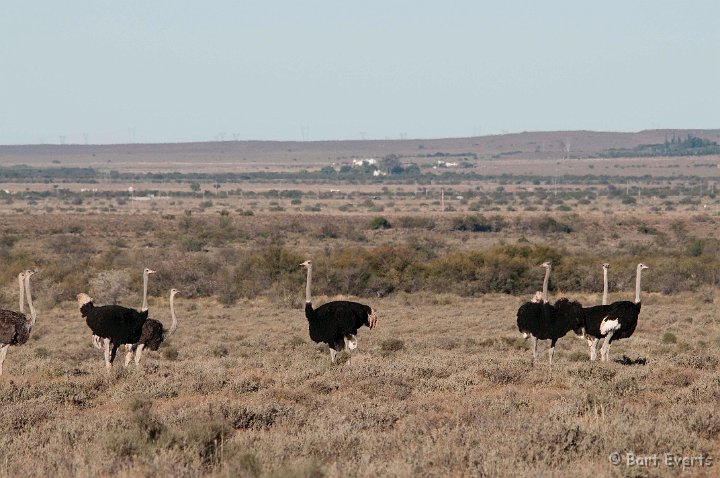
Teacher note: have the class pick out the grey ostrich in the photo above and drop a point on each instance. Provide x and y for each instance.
(336, 323)
(97, 341)
(15, 327)
(153, 333)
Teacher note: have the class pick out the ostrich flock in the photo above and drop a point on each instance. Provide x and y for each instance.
(334, 323)
(541, 320)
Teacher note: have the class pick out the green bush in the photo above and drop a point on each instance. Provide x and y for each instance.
(549, 225)
(380, 222)
(478, 223)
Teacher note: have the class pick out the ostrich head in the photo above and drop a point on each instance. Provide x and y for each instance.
(642, 266)
(372, 319)
(306, 264)
(148, 271)
(173, 292)
(546, 265)
(83, 299)
(606, 266)
(30, 272)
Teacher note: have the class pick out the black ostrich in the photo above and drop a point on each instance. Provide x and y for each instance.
(153, 333)
(613, 321)
(336, 323)
(97, 341)
(15, 327)
(115, 324)
(545, 321)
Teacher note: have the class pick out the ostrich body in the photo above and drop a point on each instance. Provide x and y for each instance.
(154, 333)
(114, 324)
(97, 341)
(15, 327)
(336, 323)
(545, 321)
(613, 321)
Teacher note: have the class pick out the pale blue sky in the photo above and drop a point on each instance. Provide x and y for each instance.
(116, 71)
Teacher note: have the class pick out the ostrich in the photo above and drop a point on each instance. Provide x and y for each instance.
(115, 324)
(613, 321)
(97, 342)
(594, 313)
(15, 327)
(336, 323)
(153, 333)
(538, 298)
(543, 321)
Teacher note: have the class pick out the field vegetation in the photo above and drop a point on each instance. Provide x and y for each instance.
(443, 386)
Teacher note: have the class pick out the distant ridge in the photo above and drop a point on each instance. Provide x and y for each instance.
(525, 145)
(581, 140)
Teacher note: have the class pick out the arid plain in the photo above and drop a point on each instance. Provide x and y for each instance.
(446, 254)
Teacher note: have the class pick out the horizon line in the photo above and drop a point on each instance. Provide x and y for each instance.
(353, 140)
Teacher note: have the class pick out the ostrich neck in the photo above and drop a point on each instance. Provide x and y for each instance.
(307, 284)
(22, 294)
(545, 285)
(29, 299)
(144, 303)
(173, 326)
(637, 285)
(605, 287)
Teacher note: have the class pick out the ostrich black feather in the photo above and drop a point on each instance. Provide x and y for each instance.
(332, 321)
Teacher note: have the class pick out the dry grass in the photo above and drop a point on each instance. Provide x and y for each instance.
(443, 387)
(458, 397)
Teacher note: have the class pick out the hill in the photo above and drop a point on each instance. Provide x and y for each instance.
(247, 155)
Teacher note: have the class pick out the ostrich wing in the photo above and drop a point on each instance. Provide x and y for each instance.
(7, 331)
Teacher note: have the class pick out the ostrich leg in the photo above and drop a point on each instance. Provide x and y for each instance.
(108, 361)
(551, 352)
(138, 353)
(333, 353)
(113, 353)
(3, 352)
(130, 353)
(605, 349)
(534, 348)
(592, 343)
(350, 345)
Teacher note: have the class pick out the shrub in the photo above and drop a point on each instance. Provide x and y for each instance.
(549, 225)
(379, 222)
(392, 345)
(478, 223)
(694, 248)
(416, 222)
